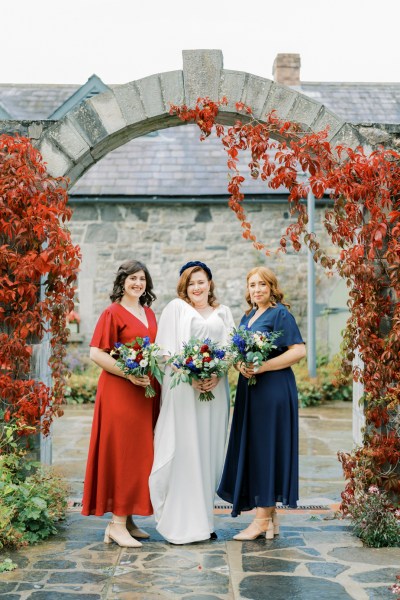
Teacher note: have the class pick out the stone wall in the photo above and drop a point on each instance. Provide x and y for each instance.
(165, 236)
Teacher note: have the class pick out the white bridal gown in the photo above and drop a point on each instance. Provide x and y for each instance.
(190, 435)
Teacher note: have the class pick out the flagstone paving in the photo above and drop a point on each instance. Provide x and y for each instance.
(315, 557)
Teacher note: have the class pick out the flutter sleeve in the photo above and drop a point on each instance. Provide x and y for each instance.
(169, 333)
(106, 331)
(286, 324)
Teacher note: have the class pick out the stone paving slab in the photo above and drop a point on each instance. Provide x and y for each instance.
(314, 557)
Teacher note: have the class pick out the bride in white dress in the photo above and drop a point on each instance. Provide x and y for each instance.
(190, 435)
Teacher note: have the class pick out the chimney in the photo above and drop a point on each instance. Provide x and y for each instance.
(286, 69)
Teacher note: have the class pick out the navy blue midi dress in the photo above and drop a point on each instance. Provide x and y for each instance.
(262, 462)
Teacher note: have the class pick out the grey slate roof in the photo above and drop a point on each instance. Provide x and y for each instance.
(25, 101)
(174, 162)
(357, 102)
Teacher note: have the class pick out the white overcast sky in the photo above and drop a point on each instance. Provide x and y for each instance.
(49, 41)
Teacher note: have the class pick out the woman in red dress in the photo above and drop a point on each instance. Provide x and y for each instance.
(121, 444)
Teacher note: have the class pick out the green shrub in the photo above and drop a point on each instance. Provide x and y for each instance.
(325, 387)
(375, 521)
(232, 381)
(7, 565)
(32, 499)
(82, 385)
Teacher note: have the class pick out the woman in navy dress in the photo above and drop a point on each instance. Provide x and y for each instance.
(261, 466)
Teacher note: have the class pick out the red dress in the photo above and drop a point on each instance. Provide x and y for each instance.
(121, 443)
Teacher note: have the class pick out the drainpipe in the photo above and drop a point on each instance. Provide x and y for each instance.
(311, 337)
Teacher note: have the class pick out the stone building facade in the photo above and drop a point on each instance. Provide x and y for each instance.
(165, 236)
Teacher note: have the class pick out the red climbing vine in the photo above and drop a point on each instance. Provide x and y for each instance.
(38, 267)
(364, 223)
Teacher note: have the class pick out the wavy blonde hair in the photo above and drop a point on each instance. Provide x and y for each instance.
(270, 279)
(183, 284)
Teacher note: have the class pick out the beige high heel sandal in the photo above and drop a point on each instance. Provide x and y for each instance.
(122, 538)
(135, 531)
(268, 532)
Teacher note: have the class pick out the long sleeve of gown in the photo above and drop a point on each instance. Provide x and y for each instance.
(169, 331)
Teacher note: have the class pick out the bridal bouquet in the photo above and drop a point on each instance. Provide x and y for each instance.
(199, 359)
(139, 358)
(251, 347)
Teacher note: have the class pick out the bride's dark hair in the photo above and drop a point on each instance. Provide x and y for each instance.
(128, 268)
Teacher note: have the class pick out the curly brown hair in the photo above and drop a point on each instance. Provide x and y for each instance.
(183, 283)
(270, 279)
(128, 268)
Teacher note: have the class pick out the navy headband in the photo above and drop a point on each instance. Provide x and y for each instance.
(196, 263)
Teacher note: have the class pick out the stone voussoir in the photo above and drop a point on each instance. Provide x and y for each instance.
(130, 103)
(255, 93)
(327, 118)
(304, 110)
(151, 95)
(69, 140)
(231, 85)
(172, 88)
(201, 74)
(87, 121)
(280, 99)
(58, 163)
(347, 135)
(108, 109)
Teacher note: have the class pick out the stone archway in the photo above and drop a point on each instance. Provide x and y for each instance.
(109, 120)
(72, 145)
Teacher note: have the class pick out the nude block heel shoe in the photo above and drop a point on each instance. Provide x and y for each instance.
(122, 538)
(255, 529)
(275, 521)
(135, 531)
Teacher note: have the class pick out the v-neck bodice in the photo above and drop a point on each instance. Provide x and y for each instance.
(135, 317)
(117, 324)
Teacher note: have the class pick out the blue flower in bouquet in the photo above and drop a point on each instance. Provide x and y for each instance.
(146, 341)
(239, 342)
(131, 364)
(200, 359)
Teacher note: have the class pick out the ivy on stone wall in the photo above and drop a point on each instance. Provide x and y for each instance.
(38, 269)
(364, 223)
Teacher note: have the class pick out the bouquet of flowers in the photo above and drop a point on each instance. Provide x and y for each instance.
(139, 358)
(251, 347)
(199, 359)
